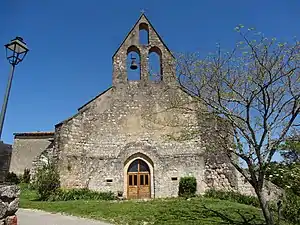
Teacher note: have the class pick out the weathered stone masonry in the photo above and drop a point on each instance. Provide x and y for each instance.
(9, 204)
(99, 140)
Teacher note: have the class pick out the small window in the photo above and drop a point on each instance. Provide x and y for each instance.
(130, 180)
(143, 166)
(109, 180)
(138, 165)
(141, 179)
(135, 180)
(134, 166)
(146, 179)
(174, 178)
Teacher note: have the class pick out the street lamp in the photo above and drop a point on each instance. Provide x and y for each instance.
(16, 51)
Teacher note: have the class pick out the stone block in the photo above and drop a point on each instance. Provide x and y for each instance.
(3, 209)
(9, 191)
(9, 203)
(13, 207)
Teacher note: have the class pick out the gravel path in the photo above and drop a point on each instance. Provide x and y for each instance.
(35, 217)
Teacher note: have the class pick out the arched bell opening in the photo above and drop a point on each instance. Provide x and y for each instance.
(144, 34)
(155, 64)
(133, 63)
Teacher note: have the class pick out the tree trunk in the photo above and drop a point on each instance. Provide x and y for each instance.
(265, 207)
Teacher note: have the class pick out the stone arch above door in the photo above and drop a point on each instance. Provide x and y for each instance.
(144, 148)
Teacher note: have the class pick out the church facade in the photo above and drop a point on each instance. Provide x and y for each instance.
(129, 139)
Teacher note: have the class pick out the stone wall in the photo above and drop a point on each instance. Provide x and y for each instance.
(5, 157)
(26, 148)
(219, 172)
(271, 191)
(9, 204)
(178, 166)
(94, 144)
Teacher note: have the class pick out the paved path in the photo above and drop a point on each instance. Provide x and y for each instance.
(35, 217)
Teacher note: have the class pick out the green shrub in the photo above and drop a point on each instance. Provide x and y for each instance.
(232, 196)
(46, 181)
(291, 208)
(26, 176)
(80, 194)
(11, 177)
(285, 176)
(187, 187)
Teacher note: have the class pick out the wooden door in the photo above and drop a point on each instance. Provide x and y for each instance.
(132, 185)
(144, 185)
(138, 180)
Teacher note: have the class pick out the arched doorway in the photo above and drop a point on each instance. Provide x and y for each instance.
(138, 180)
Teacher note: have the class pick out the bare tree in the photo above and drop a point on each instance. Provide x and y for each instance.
(256, 89)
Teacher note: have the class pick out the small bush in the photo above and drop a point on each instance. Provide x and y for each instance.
(187, 187)
(46, 181)
(80, 194)
(291, 208)
(232, 196)
(11, 177)
(26, 176)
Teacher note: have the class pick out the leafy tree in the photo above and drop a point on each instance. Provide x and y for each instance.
(291, 209)
(286, 174)
(290, 150)
(255, 88)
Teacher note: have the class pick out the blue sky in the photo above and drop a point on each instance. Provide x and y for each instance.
(72, 43)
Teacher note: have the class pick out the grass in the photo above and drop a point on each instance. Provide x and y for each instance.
(173, 211)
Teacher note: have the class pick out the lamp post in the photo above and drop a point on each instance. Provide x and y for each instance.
(16, 51)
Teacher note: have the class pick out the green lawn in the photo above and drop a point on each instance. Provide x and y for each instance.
(168, 211)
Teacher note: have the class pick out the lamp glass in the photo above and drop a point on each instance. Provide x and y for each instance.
(17, 46)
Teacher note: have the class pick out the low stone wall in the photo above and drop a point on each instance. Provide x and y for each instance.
(271, 191)
(9, 204)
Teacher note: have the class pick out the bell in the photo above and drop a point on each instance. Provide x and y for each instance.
(133, 65)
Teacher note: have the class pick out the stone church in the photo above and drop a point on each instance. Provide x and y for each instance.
(132, 138)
